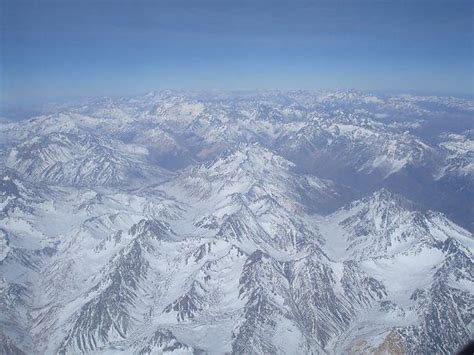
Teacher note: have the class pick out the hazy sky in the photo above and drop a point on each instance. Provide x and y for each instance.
(52, 49)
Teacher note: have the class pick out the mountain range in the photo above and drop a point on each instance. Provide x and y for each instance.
(241, 222)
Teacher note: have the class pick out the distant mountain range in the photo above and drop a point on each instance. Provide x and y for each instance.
(245, 223)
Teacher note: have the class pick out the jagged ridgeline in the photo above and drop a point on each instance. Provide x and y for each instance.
(245, 223)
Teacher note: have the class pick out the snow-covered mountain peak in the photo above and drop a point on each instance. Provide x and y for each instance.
(385, 224)
(384, 199)
(381, 208)
(251, 157)
(152, 229)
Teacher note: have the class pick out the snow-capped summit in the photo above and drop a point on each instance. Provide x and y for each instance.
(385, 224)
(253, 170)
(76, 160)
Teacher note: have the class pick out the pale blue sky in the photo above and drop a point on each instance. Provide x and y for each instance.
(64, 48)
